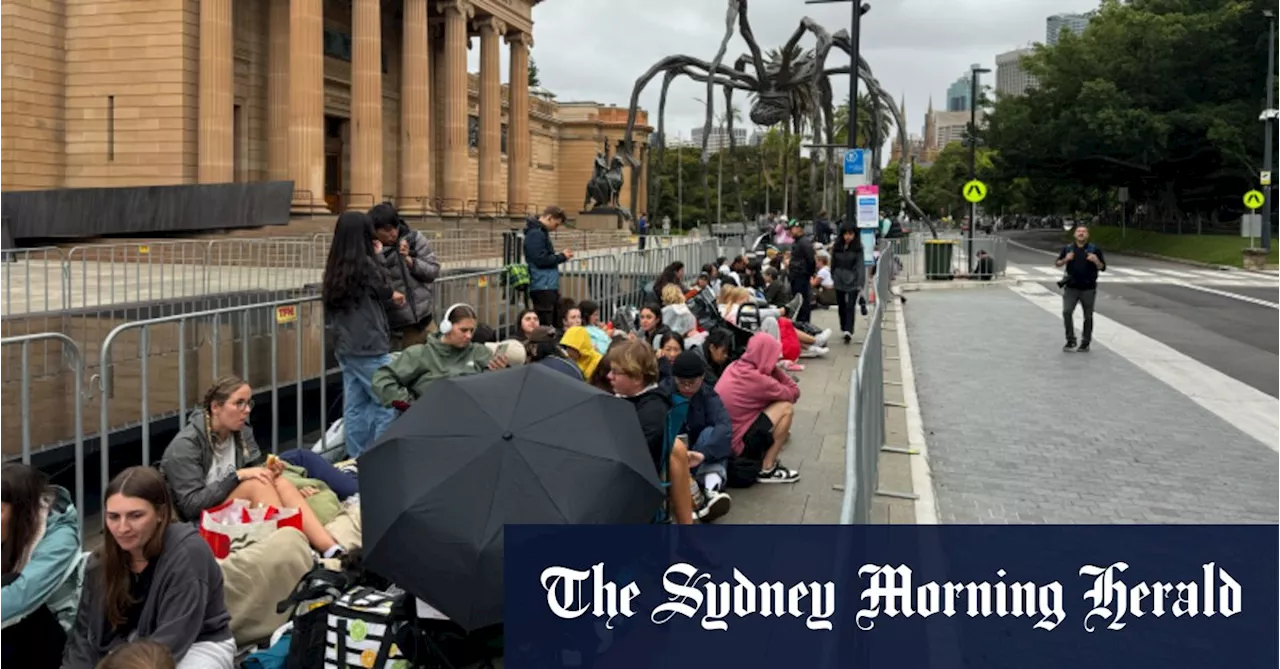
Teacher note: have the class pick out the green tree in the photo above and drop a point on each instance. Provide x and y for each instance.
(1160, 96)
(534, 80)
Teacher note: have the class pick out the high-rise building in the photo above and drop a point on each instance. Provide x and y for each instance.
(959, 92)
(1055, 24)
(719, 138)
(1011, 79)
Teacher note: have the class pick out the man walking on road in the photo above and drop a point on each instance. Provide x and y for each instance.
(1081, 261)
(544, 264)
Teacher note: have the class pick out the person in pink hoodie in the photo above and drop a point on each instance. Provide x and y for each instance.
(760, 398)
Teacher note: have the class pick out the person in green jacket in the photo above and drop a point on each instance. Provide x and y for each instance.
(447, 354)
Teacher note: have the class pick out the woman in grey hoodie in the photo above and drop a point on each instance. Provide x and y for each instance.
(151, 579)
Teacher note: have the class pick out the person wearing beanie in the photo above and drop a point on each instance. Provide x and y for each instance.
(710, 434)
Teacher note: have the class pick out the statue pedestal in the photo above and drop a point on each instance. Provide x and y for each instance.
(601, 219)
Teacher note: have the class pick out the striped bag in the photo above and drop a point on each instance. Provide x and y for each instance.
(362, 626)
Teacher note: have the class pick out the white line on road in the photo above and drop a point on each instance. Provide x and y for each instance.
(1222, 293)
(1125, 271)
(1249, 409)
(1175, 272)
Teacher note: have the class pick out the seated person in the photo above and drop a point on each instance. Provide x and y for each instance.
(778, 294)
(595, 327)
(41, 563)
(151, 579)
(443, 355)
(824, 286)
(144, 654)
(670, 345)
(214, 459)
(709, 430)
(675, 312)
(526, 322)
(651, 325)
(571, 315)
(718, 351)
(544, 349)
(633, 374)
(760, 399)
(984, 269)
(577, 344)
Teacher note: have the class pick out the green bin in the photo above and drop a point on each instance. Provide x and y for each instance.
(937, 259)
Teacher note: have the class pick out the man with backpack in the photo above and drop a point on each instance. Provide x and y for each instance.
(544, 264)
(1081, 261)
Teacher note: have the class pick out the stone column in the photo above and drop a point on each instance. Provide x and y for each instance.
(278, 90)
(490, 197)
(456, 15)
(306, 104)
(366, 104)
(216, 139)
(415, 111)
(519, 141)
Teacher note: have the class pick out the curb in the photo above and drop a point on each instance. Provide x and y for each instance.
(961, 284)
(926, 505)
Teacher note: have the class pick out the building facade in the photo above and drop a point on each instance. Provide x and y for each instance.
(958, 94)
(355, 101)
(719, 138)
(1054, 25)
(1011, 78)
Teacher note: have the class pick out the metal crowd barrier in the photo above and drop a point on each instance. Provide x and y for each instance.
(43, 390)
(156, 368)
(864, 432)
(955, 261)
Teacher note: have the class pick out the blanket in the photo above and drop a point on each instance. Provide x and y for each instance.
(257, 577)
(324, 503)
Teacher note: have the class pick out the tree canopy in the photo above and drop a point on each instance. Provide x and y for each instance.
(1159, 96)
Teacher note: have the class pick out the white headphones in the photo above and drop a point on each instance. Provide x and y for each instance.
(446, 326)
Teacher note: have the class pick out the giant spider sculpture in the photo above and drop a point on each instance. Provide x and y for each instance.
(772, 86)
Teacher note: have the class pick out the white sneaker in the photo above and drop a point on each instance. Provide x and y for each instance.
(821, 338)
(818, 351)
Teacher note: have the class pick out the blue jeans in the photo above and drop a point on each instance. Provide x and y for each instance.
(363, 416)
(341, 483)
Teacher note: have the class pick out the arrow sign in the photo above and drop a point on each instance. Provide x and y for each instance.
(1254, 199)
(975, 191)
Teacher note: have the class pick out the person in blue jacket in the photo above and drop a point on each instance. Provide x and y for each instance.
(709, 431)
(544, 264)
(42, 565)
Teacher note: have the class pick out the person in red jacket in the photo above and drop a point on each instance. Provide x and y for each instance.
(760, 398)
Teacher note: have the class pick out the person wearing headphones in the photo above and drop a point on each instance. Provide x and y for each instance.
(445, 354)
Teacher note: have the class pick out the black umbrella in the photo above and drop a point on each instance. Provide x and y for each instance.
(474, 453)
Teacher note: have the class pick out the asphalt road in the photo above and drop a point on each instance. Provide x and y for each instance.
(1236, 337)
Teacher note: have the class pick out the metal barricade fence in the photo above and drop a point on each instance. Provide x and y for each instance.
(43, 394)
(864, 430)
(181, 355)
(34, 280)
(959, 259)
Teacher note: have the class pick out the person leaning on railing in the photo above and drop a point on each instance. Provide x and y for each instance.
(544, 263)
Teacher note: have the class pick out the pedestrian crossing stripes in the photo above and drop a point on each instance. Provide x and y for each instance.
(1203, 277)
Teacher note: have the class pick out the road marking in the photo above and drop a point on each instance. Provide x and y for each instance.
(1015, 271)
(1054, 272)
(1125, 271)
(1250, 410)
(1175, 272)
(1235, 296)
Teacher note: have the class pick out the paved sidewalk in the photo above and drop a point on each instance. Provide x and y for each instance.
(1019, 432)
(817, 443)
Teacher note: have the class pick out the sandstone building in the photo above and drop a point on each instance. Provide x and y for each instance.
(353, 100)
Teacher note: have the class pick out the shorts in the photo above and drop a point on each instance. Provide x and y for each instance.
(758, 439)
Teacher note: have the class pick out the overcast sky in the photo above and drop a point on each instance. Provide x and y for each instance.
(596, 49)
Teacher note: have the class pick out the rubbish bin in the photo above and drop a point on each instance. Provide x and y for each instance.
(937, 259)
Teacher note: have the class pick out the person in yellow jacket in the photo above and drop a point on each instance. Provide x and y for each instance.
(577, 344)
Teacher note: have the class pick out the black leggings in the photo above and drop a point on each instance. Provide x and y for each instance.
(844, 305)
(37, 639)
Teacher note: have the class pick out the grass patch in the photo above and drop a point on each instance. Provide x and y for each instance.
(1212, 249)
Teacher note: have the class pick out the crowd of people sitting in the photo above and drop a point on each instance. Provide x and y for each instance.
(719, 350)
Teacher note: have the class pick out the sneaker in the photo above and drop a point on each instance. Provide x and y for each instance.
(816, 351)
(779, 474)
(1071, 346)
(790, 366)
(718, 504)
(848, 337)
(821, 338)
(863, 307)
(1084, 348)
(793, 307)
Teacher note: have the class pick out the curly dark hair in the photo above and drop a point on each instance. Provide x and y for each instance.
(349, 272)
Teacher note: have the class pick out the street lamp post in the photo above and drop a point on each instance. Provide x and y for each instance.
(679, 183)
(973, 152)
(1267, 148)
(855, 32)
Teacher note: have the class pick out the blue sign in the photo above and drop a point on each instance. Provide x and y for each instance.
(1051, 597)
(855, 162)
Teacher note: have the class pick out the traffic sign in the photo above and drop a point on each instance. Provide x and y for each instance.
(855, 168)
(975, 191)
(1265, 179)
(1254, 199)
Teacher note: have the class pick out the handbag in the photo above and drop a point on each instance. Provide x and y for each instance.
(235, 524)
(362, 629)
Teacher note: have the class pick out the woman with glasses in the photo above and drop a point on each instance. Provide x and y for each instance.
(214, 459)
